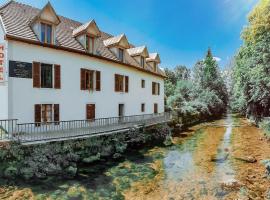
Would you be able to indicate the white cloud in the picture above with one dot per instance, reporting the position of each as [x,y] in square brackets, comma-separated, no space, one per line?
[217,59]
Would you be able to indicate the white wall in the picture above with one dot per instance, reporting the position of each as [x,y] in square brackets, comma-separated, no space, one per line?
[71,99]
[4,86]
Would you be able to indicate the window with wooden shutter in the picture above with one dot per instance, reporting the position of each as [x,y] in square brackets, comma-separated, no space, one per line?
[90,111]
[56,113]
[158,88]
[36,74]
[83,86]
[98,81]
[126,83]
[57,76]
[37,114]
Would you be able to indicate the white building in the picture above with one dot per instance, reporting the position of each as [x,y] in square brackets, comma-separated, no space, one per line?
[56,69]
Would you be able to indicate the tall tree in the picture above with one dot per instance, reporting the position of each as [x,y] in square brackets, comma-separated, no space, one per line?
[252,70]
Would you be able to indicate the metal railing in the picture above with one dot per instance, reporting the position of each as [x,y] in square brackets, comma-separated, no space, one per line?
[30,132]
[7,127]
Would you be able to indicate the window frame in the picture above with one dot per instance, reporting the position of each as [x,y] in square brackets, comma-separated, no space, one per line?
[88,40]
[142,61]
[43,81]
[44,113]
[46,25]
[121,55]
[143,83]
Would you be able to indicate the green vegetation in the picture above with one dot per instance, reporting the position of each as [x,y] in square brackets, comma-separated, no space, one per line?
[197,94]
[251,80]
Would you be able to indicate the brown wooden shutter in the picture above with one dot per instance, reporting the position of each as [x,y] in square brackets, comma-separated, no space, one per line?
[90,111]
[36,74]
[56,113]
[98,87]
[83,85]
[158,88]
[57,76]
[126,83]
[37,114]
[153,88]
[116,83]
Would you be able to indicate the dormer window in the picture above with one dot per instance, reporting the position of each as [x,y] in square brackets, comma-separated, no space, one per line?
[46,33]
[90,42]
[142,61]
[121,55]
[155,66]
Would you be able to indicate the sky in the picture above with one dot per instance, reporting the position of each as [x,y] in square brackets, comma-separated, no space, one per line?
[179,30]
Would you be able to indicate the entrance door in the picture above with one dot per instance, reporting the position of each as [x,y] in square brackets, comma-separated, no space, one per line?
[121,110]
[90,112]
[155,108]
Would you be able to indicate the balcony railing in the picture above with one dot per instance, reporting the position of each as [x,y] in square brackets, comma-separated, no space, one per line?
[64,130]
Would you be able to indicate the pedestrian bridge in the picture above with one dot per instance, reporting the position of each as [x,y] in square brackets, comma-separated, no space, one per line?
[35,133]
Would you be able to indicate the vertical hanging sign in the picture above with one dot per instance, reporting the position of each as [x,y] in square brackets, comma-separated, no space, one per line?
[2,62]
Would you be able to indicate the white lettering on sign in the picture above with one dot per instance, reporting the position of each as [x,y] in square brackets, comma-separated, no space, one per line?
[2,61]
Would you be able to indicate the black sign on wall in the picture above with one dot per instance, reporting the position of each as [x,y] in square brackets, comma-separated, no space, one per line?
[20,69]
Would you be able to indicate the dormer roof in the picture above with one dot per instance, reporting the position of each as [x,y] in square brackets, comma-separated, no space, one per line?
[47,14]
[138,51]
[153,57]
[120,40]
[89,28]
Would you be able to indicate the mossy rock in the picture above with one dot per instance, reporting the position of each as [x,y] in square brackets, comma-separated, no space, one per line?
[92,159]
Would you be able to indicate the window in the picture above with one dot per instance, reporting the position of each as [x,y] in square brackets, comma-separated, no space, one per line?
[155,88]
[90,44]
[46,33]
[142,107]
[142,61]
[90,80]
[46,76]
[155,66]
[121,55]
[121,83]
[143,83]
[46,113]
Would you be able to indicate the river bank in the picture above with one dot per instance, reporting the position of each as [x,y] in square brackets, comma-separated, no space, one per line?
[202,163]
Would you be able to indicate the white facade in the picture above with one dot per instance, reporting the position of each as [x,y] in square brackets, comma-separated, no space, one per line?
[25,44]
[72,100]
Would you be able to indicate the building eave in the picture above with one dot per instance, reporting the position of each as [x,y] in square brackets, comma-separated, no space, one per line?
[28,41]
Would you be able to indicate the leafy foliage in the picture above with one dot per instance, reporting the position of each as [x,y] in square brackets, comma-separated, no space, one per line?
[251,80]
[200,93]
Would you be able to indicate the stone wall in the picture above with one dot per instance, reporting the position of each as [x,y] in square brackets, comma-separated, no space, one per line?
[62,158]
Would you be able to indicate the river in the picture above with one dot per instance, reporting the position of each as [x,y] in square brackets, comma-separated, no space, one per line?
[204,162]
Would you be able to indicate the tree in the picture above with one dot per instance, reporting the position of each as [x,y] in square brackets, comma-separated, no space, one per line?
[251,73]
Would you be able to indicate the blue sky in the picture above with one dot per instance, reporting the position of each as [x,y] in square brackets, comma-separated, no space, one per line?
[179,30]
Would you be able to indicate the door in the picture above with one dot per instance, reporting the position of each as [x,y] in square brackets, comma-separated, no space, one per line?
[90,112]
[155,108]
[121,111]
